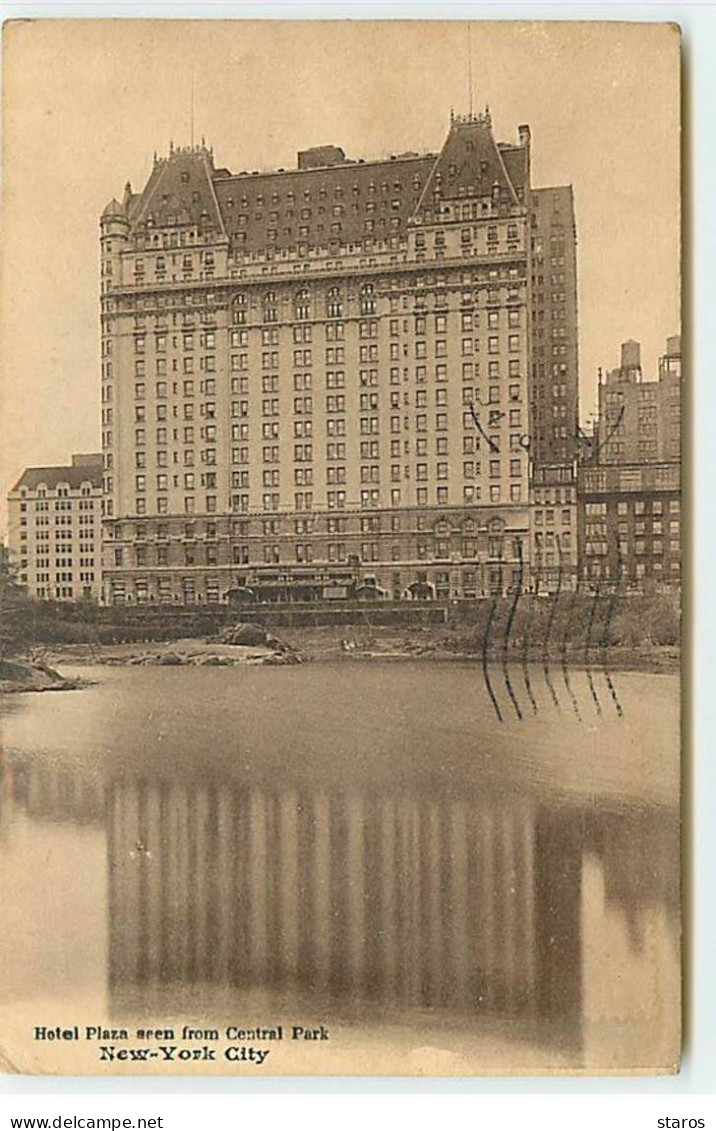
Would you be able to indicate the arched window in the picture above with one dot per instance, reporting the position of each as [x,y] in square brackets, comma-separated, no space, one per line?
[367,299]
[335,303]
[270,307]
[303,304]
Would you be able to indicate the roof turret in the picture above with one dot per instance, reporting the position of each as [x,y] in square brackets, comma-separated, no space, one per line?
[114,208]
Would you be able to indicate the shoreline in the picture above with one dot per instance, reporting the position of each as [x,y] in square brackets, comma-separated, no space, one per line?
[321,646]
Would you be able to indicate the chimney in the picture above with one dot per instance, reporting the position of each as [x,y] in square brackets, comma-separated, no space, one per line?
[87,459]
[321,157]
[524,134]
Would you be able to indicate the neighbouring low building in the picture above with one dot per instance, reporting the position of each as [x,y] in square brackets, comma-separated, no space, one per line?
[629,485]
[554,543]
[630,525]
[54,530]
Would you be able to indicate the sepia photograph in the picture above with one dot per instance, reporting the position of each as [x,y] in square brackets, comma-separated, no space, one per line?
[351,348]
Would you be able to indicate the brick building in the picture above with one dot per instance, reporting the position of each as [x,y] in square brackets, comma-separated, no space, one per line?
[630,485]
[554,398]
[669,433]
[630,525]
[553,548]
[326,373]
[640,420]
[54,531]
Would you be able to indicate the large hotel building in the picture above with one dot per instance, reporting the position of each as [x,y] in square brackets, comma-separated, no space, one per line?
[340,371]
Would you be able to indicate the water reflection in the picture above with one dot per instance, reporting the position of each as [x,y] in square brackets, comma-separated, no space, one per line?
[469,907]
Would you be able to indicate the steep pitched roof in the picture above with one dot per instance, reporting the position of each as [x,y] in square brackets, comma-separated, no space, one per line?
[469,164]
[515,161]
[329,197]
[180,190]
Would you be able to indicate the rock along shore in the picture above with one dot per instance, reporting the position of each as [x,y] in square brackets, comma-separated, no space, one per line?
[20,675]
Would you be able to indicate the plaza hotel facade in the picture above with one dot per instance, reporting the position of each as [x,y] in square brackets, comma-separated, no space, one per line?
[333,372]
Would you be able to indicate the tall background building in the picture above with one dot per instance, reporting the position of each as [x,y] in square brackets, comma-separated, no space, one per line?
[331,370]
[54,530]
[640,420]
[554,399]
[630,489]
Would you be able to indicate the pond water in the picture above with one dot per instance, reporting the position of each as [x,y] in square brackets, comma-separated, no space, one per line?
[446,886]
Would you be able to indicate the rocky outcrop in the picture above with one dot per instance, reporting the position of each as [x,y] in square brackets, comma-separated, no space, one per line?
[222,652]
[18,676]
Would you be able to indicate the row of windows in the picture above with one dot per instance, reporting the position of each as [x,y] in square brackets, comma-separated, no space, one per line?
[42,506]
[304,357]
[547,517]
[270,429]
[335,500]
[554,495]
[493,275]
[303,476]
[333,524]
[62,493]
[338,474]
[334,378]
[601,569]
[597,527]
[369,449]
[641,546]
[306,552]
[304,405]
[636,506]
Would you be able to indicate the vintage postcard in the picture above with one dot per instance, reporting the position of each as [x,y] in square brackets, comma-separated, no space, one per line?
[341,576]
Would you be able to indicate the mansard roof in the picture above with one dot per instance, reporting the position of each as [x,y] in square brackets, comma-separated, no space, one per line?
[329,197]
[471,164]
[179,191]
[73,475]
[348,194]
